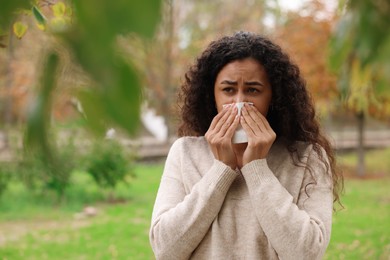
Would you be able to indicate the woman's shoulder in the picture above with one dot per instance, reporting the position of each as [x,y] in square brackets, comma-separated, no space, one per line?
[282,146]
[189,143]
[291,152]
[190,150]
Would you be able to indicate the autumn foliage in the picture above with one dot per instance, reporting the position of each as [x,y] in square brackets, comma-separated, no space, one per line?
[306,40]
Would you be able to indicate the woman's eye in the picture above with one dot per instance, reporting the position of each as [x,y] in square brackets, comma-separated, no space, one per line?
[253,90]
[228,90]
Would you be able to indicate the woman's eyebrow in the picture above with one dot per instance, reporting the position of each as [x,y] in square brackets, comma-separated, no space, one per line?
[228,82]
[248,83]
[254,83]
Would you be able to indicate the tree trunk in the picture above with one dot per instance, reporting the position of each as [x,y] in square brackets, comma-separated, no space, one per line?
[361,167]
[167,102]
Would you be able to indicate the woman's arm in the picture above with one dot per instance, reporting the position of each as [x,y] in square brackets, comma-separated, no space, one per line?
[180,220]
[296,231]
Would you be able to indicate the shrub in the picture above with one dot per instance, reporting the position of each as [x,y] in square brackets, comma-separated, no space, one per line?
[43,172]
[5,174]
[109,164]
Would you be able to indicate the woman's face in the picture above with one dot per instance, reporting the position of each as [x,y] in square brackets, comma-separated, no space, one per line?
[243,81]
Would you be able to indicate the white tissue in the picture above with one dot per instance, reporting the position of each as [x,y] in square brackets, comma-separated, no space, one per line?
[240,134]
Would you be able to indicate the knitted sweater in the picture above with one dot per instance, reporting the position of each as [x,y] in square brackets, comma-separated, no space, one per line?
[271,209]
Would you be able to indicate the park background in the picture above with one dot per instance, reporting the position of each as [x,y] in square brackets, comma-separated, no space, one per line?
[88,111]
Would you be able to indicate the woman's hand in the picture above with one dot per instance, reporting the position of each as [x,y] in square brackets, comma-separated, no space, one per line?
[219,136]
[260,134]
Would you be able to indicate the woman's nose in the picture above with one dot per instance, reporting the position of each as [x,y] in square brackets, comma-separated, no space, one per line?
[240,97]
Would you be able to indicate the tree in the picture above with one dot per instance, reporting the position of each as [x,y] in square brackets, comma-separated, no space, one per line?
[305,38]
[360,51]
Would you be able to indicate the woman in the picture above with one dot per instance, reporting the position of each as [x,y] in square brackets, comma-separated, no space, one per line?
[269,198]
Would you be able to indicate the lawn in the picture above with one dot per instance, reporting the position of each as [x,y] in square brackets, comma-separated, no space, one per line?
[362,229]
[32,227]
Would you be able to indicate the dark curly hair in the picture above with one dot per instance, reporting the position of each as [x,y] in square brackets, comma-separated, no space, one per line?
[292,116]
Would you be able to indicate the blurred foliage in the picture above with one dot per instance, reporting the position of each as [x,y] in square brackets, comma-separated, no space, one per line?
[38,118]
[115,95]
[90,31]
[8,9]
[360,53]
[305,38]
[364,29]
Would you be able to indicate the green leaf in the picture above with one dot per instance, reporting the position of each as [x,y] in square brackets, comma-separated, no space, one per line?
[340,44]
[19,29]
[39,17]
[94,112]
[109,18]
[123,98]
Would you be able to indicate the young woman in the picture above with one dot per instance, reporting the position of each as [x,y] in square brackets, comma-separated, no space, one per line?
[270,197]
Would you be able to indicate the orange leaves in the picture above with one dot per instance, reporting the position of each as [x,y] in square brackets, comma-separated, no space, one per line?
[306,38]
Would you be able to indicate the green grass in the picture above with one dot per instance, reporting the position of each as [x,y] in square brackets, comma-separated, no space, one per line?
[119,231]
[33,227]
[362,229]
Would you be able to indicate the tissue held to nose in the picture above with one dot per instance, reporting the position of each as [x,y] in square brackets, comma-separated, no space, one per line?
[240,135]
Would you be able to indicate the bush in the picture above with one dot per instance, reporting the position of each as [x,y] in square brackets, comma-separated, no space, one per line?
[109,164]
[5,174]
[43,172]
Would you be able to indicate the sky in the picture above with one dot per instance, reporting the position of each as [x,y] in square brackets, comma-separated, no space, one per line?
[294,5]
[291,4]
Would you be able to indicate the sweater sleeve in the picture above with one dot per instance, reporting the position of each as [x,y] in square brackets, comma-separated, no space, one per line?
[180,221]
[295,231]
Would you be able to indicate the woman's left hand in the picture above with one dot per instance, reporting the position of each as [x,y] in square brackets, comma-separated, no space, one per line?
[260,134]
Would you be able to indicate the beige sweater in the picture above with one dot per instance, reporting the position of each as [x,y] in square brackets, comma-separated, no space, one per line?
[206,210]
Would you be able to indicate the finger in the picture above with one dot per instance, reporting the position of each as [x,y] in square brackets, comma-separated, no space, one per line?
[218,117]
[227,124]
[259,119]
[264,121]
[223,120]
[215,123]
[251,120]
[262,117]
[248,129]
[230,131]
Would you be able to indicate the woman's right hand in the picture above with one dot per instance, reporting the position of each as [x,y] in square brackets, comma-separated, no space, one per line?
[220,134]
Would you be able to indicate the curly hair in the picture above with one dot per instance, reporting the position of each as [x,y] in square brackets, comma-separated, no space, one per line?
[292,115]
